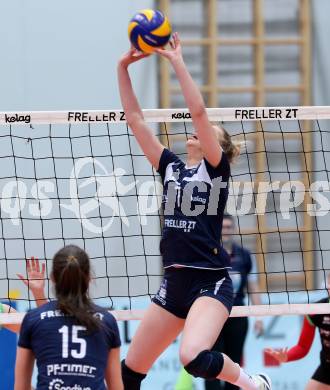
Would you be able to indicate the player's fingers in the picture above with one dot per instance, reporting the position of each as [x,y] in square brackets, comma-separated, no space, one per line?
[43,269]
[135,52]
[37,265]
[162,52]
[25,281]
[33,263]
[28,265]
[269,351]
[177,38]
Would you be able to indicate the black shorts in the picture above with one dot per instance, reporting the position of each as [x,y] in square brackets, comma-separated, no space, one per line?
[322,374]
[182,286]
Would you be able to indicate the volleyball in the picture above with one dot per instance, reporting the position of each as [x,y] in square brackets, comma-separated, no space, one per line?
[149,29]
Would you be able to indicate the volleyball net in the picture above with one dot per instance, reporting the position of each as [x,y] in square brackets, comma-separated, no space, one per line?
[79,177]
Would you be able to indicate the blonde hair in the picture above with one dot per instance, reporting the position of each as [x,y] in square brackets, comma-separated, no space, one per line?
[231,148]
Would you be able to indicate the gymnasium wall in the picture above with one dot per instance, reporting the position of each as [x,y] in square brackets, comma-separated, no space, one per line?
[63,54]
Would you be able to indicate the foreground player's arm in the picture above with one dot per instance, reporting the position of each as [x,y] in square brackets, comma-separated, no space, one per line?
[35,280]
[8,309]
[205,132]
[113,371]
[23,369]
[148,142]
[254,293]
[300,350]
[255,299]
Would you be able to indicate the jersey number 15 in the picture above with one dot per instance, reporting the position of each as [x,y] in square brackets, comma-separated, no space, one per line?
[80,351]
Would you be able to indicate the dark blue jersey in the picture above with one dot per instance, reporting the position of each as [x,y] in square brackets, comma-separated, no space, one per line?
[241,263]
[67,356]
[322,321]
[193,202]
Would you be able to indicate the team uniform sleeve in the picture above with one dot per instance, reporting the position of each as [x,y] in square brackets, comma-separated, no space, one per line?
[112,331]
[24,340]
[252,269]
[222,169]
[166,158]
[305,341]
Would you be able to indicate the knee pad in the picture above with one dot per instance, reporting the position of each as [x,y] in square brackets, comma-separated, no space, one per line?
[207,365]
[131,379]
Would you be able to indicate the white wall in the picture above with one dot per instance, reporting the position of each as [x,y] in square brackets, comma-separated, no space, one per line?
[321,54]
[62,54]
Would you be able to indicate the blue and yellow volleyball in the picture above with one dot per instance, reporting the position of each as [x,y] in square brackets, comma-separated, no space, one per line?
[149,29]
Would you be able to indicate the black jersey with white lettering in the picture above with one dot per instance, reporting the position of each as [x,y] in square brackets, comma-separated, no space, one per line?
[322,321]
[67,355]
[193,202]
[241,272]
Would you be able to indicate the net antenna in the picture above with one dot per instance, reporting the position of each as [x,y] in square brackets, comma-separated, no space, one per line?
[79,177]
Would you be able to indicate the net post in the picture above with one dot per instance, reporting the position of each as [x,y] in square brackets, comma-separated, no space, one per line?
[307,141]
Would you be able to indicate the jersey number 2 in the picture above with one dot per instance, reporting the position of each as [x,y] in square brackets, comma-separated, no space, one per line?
[75,339]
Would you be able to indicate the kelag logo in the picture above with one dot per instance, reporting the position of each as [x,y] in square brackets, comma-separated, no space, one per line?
[181,115]
[16,118]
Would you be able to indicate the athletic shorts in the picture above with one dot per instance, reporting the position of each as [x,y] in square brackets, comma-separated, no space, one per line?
[322,374]
[181,287]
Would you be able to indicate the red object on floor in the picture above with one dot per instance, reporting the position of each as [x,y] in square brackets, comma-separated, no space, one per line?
[269,361]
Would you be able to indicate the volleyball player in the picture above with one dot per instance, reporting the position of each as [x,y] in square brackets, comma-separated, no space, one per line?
[321,377]
[35,282]
[75,343]
[232,338]
[196,293]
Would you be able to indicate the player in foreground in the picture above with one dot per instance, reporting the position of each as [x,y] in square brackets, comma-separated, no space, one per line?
[232,338]
[35,282]
[74,342]
[321,377]
[196,294]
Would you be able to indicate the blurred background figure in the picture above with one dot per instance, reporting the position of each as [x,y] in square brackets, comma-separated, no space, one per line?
[232,338]
[321,377]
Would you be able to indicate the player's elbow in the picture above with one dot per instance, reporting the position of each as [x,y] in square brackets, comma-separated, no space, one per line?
[304,351]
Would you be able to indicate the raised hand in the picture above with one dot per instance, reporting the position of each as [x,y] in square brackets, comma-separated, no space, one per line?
[280,354]
[259,328]
[131,56]
[175,52]
[35,280]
